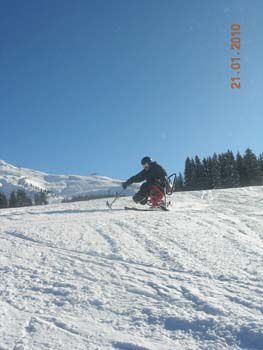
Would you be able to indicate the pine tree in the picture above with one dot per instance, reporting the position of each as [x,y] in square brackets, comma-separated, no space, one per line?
[235,178]
[260,166]
[201,174]
[22,199]
[3,201]
[252,171]
[216,175]
[260,161]
[43,198]
[180,182]
[40,198]
[241,169]
[208,166]
[37,199]
[230,174]
[13,200]
[194,175]
[222,163]
[175,183]
[188,174]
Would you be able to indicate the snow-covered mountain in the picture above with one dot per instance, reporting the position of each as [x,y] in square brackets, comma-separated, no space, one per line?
[80,276]
[61,186]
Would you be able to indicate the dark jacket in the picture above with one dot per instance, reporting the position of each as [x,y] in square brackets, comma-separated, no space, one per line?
[156,175]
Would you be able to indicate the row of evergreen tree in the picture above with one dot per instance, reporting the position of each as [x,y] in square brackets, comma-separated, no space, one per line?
[221,171]
[88,197]
[19,198]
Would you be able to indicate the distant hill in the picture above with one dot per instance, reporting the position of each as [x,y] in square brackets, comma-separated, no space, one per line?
[13,178]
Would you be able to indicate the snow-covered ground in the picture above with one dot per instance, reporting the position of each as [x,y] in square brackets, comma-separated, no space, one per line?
[79,276]
[13,178]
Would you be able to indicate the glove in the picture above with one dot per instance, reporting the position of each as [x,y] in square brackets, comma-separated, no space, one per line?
[124,185]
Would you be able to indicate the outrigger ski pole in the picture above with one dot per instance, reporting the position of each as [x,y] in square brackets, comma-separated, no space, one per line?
[117,196]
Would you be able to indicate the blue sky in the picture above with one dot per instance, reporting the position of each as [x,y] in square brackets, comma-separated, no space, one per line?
[93,86]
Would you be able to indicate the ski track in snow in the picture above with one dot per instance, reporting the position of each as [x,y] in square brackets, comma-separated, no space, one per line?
[79,276]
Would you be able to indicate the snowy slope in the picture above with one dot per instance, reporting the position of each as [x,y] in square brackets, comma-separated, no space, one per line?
[79,276]
[12,178]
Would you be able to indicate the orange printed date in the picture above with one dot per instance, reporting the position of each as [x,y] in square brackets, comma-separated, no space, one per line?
[235,59]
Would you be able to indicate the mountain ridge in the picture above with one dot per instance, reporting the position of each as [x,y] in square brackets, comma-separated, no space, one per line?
[59,186]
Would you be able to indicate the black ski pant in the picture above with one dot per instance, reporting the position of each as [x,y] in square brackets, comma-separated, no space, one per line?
[142,195]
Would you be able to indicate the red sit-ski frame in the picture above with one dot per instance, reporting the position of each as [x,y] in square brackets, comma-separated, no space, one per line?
[156,196]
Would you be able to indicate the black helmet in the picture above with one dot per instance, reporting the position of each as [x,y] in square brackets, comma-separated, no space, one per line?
[146,160]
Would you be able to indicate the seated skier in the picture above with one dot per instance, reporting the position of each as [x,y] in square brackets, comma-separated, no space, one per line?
[154,176]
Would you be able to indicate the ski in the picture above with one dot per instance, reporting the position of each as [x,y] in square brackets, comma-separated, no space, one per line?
[149,209]
[136,209]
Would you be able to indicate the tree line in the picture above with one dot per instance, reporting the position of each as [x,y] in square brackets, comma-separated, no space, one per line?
[88,197]
[19,198]
[224,170]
